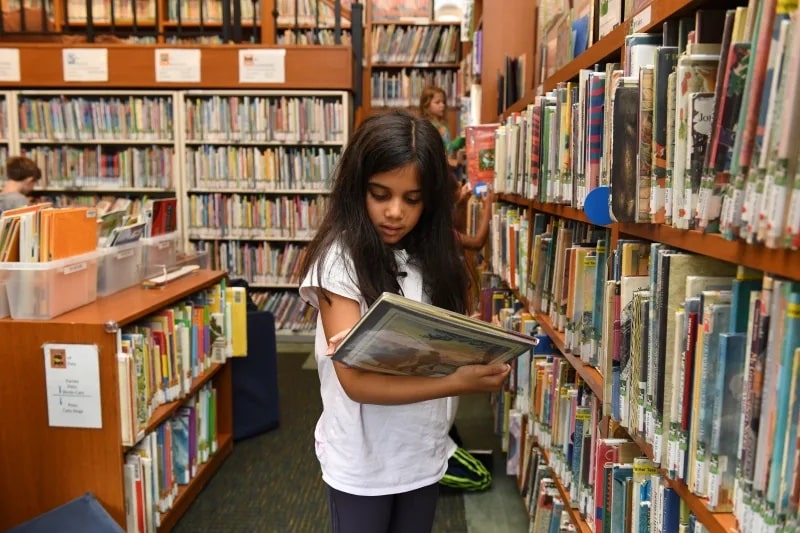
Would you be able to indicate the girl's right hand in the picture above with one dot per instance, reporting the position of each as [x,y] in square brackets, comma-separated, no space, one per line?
[480,378]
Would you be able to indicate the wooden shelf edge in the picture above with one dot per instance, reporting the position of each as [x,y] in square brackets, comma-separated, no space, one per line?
[561,210]
[714,522]
[781,262]
[131,304]
[133,66]
[590,375]
[164,411]
[574,515]
[188,493]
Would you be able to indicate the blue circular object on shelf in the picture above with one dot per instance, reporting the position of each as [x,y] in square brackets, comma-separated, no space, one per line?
[596,206]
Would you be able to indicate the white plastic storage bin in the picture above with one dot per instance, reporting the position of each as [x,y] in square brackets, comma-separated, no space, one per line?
[119,267]
[41,291]
[160,252]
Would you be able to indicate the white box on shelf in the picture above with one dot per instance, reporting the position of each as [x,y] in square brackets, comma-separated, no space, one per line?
[119,267]
[160,253]
[41,291]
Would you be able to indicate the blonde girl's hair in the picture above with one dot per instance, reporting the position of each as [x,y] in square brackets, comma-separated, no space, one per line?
[426,98]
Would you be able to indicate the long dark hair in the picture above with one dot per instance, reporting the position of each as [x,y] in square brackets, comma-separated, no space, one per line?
[382,143]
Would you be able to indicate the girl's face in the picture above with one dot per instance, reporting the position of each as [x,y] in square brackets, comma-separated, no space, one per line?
[437,106]
[394,202]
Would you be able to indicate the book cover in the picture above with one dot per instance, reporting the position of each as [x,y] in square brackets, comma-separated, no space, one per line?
[403,337]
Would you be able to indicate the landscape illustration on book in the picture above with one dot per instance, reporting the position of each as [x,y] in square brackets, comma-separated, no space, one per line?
[400,336]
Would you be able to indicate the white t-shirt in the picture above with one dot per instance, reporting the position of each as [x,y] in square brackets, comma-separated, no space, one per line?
[367,449]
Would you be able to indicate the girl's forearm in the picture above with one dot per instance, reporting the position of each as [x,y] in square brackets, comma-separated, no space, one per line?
[384,389]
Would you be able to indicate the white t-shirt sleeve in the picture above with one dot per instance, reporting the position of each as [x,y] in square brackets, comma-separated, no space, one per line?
[337,276]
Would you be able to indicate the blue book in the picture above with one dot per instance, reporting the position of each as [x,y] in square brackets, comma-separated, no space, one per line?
[81,515]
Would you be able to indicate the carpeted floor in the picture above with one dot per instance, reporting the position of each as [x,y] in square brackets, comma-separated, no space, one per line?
[272,483]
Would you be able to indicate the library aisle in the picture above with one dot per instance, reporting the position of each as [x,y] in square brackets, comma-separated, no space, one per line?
[271,482]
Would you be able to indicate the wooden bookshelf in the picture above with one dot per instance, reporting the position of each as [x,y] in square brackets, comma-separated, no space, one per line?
[132,66]
[780,262]
[714,522]
[574,515]
[43,466]
[590,375]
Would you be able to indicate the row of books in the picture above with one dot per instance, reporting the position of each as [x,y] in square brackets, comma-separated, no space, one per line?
[168,458]
[211,167]
[682,343]
[189,11]
[288,119]
[715,151]
[84,118]
[208,118]
[289,310]
[403,88]
[160,356]
[306,12]
[195,11]
[414,44]
[607,480]
[312,36]
[566,459]
[254,217]
[104,166]
[261,264]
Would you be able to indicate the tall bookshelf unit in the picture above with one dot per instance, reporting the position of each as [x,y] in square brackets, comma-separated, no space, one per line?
[255,197]
[783,263]
[92,143]
[44,467]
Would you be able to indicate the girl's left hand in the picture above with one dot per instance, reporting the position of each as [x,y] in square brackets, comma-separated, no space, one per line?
[334,341]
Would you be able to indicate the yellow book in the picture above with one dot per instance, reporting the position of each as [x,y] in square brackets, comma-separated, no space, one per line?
[236,298]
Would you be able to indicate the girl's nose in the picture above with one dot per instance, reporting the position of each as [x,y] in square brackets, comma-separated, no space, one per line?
[394,209]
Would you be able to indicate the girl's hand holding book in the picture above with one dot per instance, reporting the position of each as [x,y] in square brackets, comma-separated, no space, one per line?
[334,341]
[480,378]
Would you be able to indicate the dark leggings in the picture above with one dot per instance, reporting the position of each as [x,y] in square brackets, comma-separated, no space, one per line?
[408,512]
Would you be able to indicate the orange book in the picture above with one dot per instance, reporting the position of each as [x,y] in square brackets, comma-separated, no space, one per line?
[72,231]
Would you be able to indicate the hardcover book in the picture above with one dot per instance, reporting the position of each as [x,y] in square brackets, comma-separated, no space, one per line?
[404,337]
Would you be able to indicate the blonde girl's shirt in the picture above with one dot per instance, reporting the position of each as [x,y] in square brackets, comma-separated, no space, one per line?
[366,449]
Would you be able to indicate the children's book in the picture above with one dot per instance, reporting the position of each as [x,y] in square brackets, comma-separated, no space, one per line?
[404,337]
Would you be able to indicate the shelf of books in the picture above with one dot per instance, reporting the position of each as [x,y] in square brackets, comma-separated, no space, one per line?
[675,322]
[258,166]
[139,419]
[307,22]
[6,130]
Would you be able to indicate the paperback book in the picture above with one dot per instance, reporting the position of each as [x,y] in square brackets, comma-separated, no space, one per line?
[404,337]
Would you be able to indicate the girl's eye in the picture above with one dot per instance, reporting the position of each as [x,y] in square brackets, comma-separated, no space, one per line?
[380,197]
[413,200]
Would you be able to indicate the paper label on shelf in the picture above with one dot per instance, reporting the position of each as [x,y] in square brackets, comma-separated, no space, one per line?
[72,377]
[262,65]
[641,19]
[177,65]
[85,64]
[9,64]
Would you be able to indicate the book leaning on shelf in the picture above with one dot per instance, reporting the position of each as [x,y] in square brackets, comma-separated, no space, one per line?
[404,337]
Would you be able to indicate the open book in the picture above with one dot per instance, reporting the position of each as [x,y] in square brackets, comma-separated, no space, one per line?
[404,337]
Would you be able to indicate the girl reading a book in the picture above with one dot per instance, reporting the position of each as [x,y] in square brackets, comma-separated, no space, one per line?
[382,439]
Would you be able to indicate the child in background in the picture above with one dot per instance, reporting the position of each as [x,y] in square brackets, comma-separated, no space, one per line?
[433,106]
[22,174]
[382,439]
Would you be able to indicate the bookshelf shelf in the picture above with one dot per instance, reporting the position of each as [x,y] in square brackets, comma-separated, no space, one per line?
[416,65]
[188,493]
[780,262]
[133,66]
[164,411]
[714,522]
[588,374]
[91,459]
[577,520]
